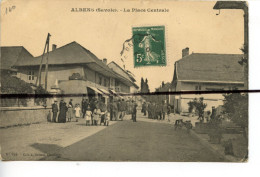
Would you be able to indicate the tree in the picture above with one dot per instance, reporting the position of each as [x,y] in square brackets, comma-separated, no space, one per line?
[142,84]
[163,84]
[236,108]
[199,105]
[236,104]
[147,90]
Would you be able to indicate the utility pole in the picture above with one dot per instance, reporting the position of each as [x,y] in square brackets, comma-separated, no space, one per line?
[243,6]
[40,69]
[46,66]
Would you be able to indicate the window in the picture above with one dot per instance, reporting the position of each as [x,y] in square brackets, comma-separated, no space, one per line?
[100,80]
[31,75]
[232,88]
[197,87]
[105,82]
[214,89]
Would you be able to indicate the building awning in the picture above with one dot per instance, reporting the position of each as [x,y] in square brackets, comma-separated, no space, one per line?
[95,89]
[124,94]
[105,92]
[112,92]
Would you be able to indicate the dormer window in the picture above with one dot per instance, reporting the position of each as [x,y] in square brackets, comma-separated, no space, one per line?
[30,75]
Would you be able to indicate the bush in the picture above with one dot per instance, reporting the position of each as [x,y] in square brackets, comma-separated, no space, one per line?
[236,108]
[191,106]
[41,96]
[14,86]
[199,105]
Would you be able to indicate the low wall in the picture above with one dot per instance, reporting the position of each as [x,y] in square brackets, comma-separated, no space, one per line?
[12,116]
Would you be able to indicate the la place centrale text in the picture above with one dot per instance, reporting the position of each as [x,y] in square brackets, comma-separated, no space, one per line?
[135,10]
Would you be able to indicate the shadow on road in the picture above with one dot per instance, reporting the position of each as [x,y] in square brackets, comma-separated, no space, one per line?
[48,149]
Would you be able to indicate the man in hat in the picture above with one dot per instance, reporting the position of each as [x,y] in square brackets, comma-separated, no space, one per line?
[134,110]
[55,111]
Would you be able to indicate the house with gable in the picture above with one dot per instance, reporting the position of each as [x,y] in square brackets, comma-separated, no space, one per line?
[72,70]
[205,72]
[10,55]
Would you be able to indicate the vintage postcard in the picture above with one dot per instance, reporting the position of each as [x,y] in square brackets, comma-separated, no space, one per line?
[131,80]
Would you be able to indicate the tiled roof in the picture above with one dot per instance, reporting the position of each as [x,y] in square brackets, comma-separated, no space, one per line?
[210,67]
[10,55]
[72,53]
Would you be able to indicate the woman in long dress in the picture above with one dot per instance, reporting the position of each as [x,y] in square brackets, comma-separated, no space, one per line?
[62,114]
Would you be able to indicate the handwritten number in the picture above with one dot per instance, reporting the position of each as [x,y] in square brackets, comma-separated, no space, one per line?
[9,9]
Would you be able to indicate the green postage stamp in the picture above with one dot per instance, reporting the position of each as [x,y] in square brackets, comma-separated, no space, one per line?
[149,46]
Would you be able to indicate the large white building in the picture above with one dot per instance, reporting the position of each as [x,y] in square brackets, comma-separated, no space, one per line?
[205,72]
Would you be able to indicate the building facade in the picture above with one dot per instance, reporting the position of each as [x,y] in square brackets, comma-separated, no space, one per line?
[205,72]
[72,70]
[124,87]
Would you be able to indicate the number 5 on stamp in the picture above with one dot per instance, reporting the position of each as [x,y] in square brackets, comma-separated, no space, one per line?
[149,46]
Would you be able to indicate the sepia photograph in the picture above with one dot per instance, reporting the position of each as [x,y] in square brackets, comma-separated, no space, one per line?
[124,81]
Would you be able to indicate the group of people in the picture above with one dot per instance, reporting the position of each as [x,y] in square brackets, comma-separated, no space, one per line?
[156,110]
[120,107]
[95,111]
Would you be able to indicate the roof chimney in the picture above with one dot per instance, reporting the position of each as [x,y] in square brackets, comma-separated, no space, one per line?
[54,46]
[185,52]
[105,61]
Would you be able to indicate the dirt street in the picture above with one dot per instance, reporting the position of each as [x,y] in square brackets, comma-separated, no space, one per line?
[144,140]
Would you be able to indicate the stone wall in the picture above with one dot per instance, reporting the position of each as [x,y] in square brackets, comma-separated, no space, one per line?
[14,116]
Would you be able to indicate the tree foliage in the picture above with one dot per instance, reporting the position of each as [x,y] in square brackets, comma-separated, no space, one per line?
[199,105]
[41,95]
[15,86]
[236,108]
[144,86]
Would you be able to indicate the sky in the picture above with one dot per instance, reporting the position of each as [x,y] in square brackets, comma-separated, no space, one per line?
[190,24]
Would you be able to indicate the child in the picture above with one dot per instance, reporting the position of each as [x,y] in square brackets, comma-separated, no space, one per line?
[88,116]
[96,116]
[77,112]
[70,112]
[107,117]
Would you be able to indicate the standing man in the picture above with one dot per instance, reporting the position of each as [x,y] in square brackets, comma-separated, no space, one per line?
[119,106]
[83,107]
[149,109]
[55,111]
[110,108]
[144,108]
[124,107]
[131,106]
[70,111]
[115,110]
[127,107]
[164,110]
[158,109]
[134,110]
[103,107]
[168,112]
